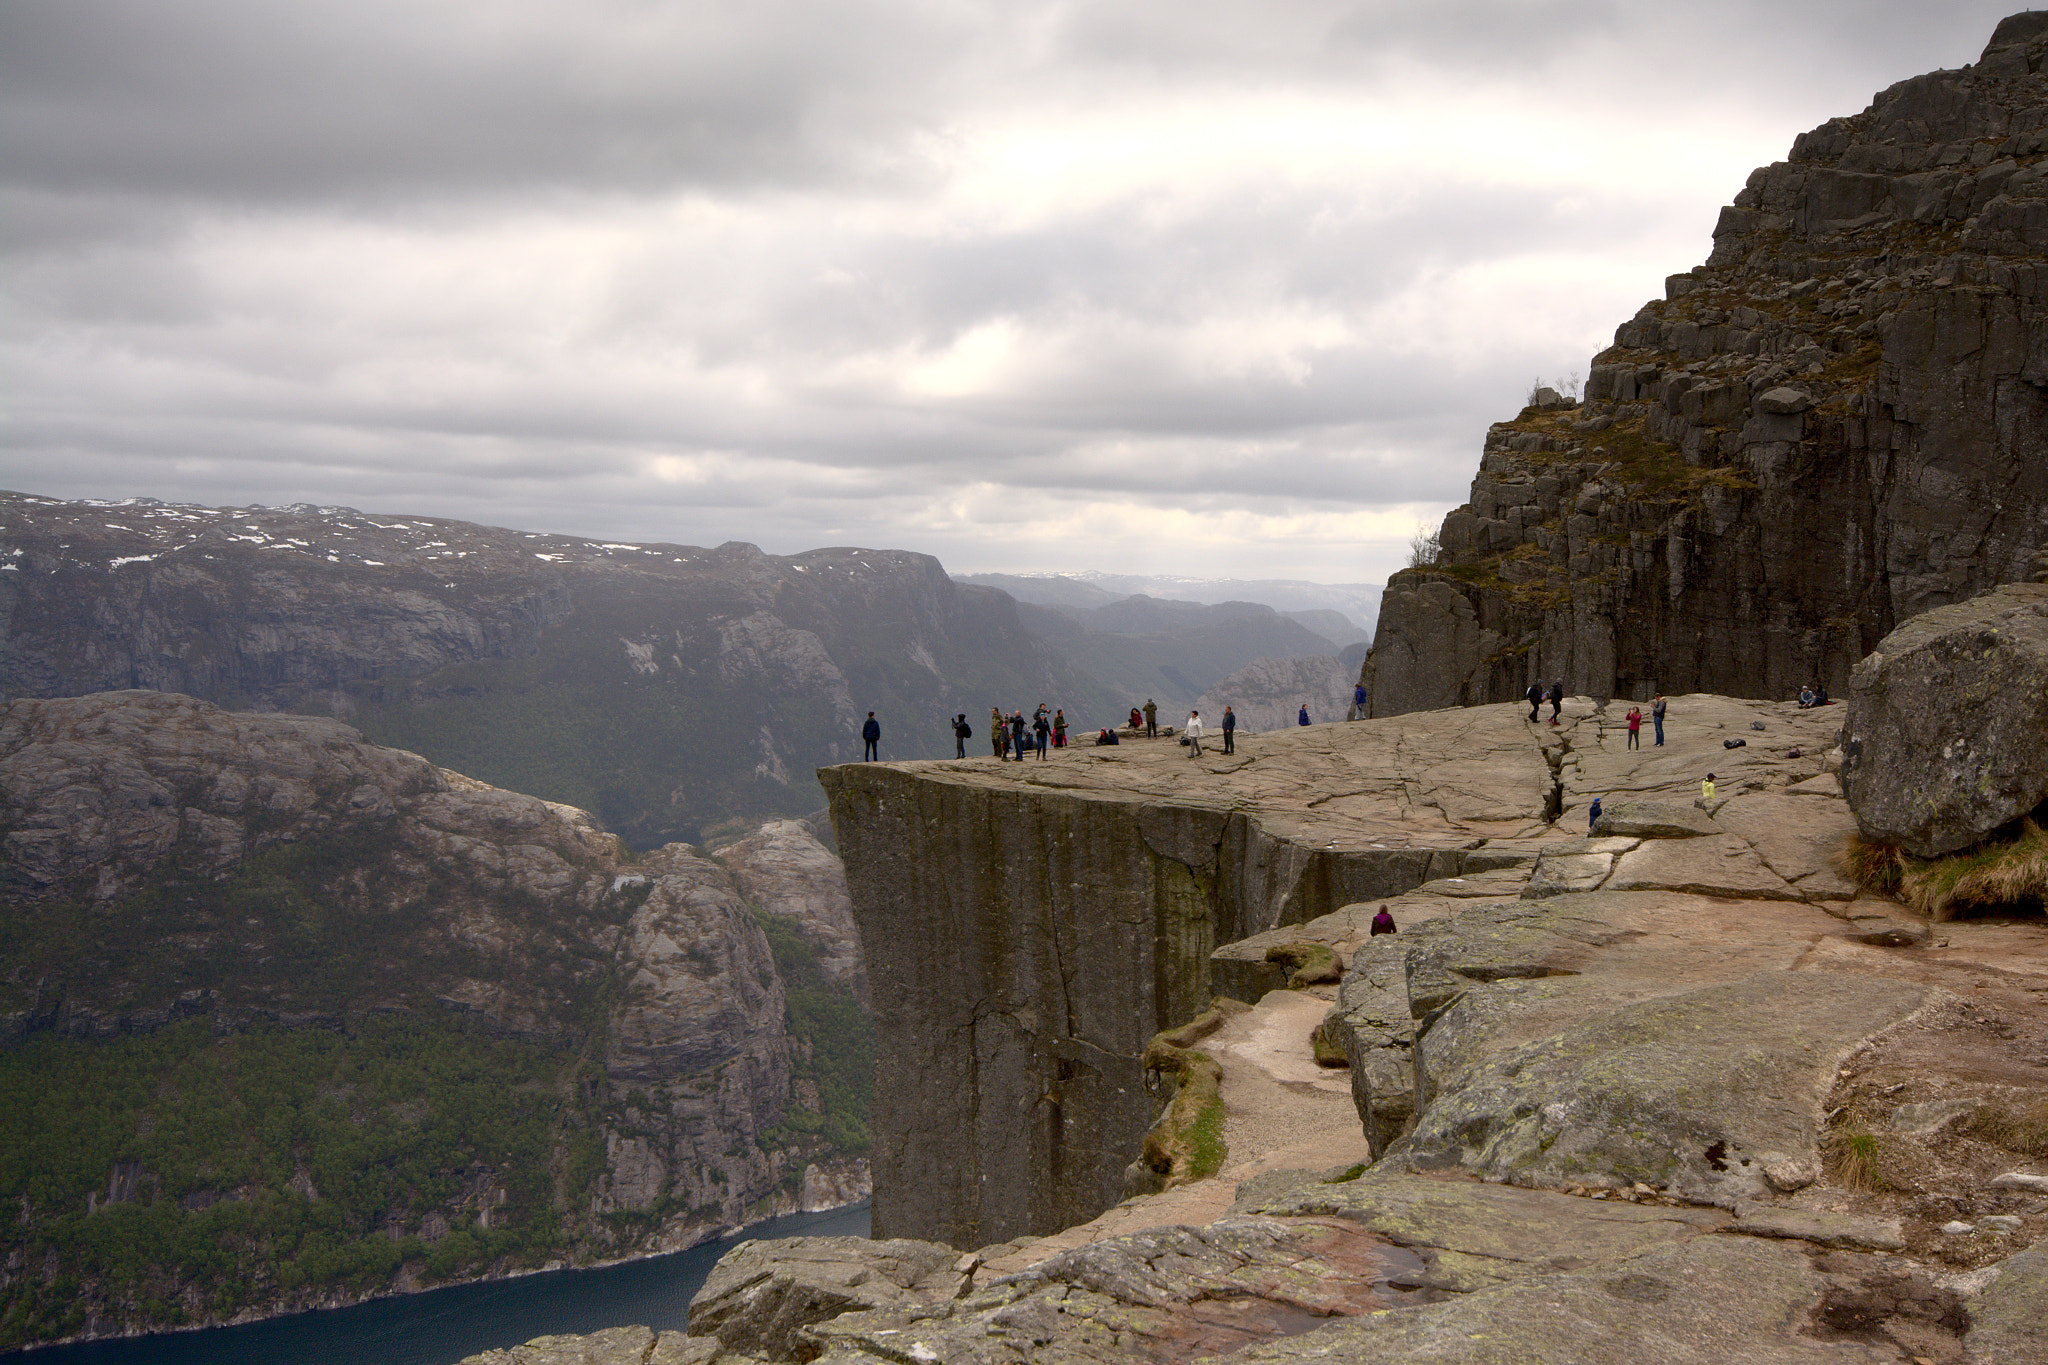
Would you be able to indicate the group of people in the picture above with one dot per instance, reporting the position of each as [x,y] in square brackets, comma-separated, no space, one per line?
[1554,694]
[1813,694]
[1013,736]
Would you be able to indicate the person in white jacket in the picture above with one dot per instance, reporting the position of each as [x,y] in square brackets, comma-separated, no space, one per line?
[1194,733]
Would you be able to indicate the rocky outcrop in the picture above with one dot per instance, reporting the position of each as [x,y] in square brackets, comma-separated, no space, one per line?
[1836,423]
[783,865]
[680,693]
[1947,733]
[1267,694]
[1031,926]
[176,874]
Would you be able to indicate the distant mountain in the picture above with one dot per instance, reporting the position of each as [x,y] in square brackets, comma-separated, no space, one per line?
[1168,651]
[287,1019]
[1357,603]
[1333,626]
[679,693]
[1268,694]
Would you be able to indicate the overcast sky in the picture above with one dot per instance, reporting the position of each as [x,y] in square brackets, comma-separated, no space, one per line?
[1168,286]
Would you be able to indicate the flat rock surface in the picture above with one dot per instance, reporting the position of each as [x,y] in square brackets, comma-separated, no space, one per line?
[1650,1307]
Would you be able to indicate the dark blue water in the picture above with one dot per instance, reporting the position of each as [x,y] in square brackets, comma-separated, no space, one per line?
[442,1326]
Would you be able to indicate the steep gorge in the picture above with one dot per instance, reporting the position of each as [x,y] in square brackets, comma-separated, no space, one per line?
[287,1019]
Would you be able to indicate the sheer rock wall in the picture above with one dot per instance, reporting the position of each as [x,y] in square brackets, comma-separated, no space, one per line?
[1840,420]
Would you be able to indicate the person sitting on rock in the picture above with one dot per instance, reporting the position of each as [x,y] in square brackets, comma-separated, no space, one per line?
[1302,719]
[1707,788]
[1383,923]
[1806,697]
[1106,736]
[1593,815]
[1137,721]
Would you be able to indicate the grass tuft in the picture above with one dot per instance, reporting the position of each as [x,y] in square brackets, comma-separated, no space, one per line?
[1857,1160]
[2018,1125]
[1999,874]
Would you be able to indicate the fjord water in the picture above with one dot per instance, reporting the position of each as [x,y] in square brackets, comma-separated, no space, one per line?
[442,1326]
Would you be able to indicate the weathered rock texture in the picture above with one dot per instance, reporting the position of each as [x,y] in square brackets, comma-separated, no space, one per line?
[1607,1124]
[1839,421]
[1029,927]
[679,693]
[1947,735]
[165,860]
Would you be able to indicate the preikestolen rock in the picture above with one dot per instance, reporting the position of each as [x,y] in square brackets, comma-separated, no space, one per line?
[1654,820]
[1723,866]
[761,1295]
[614,1346]
[1713,1095]
[1161,1296]
[1820,1228]
[1654,1307]
[1473,1236]
[1944,738]
[2006,1320]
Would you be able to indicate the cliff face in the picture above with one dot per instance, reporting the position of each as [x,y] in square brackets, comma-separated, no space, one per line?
[1839,421]
[366,1022]
[677,692]
[1029,926]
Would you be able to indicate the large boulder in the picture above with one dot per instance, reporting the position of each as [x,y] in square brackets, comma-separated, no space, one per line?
[1947,733]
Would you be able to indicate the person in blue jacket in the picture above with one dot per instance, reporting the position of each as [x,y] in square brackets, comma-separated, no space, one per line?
[1302,719]
[1229,731]
[870,739]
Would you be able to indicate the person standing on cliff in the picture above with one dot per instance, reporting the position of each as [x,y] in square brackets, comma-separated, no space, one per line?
[871,739]
[1358,702]
[1151,719]
[1657,717]
[998,734]
[1229,731]
[1059,728]
[1535,697]
[1194,733]
[1041,730]
[960,734]
[1556,699]
[1018,729]
[1635,727]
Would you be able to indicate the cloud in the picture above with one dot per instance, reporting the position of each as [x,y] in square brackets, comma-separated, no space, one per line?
[1126,285]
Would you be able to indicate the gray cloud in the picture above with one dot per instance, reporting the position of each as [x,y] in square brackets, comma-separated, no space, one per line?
[1027,285]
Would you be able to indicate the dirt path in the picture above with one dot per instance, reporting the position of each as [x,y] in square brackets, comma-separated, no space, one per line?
[1281,1111]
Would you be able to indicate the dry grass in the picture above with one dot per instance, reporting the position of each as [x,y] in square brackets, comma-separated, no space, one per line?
[2018,1124]
[1857,1157]
[2003,874]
